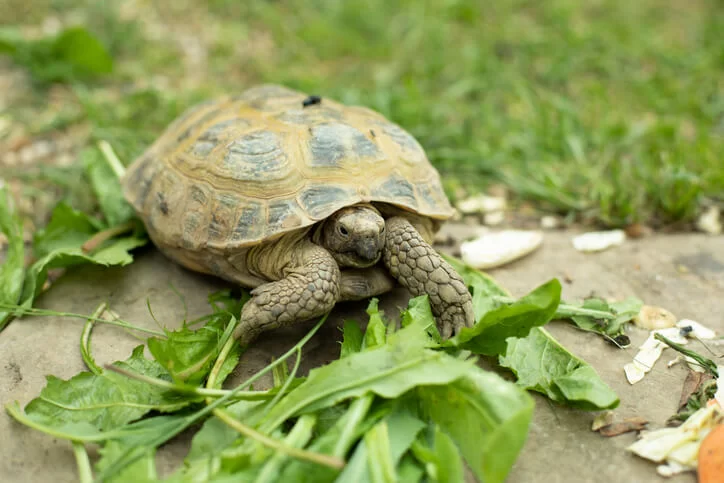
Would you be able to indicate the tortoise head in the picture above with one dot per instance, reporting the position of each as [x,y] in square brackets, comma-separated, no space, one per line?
[354,236]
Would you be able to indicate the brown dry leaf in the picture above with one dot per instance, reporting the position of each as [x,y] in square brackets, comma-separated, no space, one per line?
[625,426]
[692,383]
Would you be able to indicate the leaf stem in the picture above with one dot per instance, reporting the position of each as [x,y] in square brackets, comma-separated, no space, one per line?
[319,458]
[110,156]
[565,311]
[20,310]
[85,337]
[199,391]
[96,240]
[289,380]
[357,412]
[85,475]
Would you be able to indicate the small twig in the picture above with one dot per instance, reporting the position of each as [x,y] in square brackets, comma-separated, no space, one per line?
[322,459]
[96,240]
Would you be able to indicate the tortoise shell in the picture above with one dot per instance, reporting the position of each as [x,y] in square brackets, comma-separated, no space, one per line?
[241,170]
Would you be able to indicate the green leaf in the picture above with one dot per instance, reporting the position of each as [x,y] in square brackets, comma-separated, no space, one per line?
[336,441]
[543,365]
[188,355]
[107,188]
[486,416]
[298,437]
[388,371]
[105,402]
[12,269]
[141,471]
[352,341]
[68,229]
[80,49]
[489,335]
[380,466]
[621,312]
[449,465]
[376,333]
[484,288]
[117,252]
[419,313]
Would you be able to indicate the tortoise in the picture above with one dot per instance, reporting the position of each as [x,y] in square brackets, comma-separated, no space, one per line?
[307,203]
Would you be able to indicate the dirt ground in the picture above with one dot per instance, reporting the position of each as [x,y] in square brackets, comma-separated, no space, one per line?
[683,273]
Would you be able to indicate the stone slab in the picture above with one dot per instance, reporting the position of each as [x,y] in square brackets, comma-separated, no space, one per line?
[683,273]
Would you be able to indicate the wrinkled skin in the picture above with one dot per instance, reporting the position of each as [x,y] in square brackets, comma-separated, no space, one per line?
[355,254]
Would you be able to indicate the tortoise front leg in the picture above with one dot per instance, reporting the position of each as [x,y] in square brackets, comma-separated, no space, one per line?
[417,266]
[310,289]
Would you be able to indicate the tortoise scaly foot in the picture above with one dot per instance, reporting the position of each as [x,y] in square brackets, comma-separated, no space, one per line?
[418,267]
[309,290]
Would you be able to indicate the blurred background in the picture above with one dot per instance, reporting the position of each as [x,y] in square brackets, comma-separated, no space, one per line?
[607,113]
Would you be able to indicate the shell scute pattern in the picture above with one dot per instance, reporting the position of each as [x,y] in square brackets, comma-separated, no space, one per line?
[333,143]
[250,225]
[251,167]
[216,134]
[257,156]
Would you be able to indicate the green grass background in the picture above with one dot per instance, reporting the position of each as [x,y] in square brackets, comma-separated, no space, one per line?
[609,110]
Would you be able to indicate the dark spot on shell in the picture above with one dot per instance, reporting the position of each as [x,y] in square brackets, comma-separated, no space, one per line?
[162,205]
[311,101]
[320,200]
[334,142]
[372,133]
[257,156]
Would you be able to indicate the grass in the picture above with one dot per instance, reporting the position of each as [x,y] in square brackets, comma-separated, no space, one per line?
[609,110]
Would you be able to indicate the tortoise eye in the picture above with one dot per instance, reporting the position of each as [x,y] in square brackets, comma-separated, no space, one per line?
[343,231]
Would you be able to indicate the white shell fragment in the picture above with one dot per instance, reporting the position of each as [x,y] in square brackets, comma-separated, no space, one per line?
[481,204]
[653,318]
[550,222]
[709,221]
[650,351]
[697,330]
[597,241]
[494,218]
[498,248]
[678,448]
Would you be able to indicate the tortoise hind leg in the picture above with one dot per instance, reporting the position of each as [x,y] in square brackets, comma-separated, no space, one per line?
[310,289]
[417,266]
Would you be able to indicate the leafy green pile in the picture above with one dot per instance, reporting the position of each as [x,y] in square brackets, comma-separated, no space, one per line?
[397,404]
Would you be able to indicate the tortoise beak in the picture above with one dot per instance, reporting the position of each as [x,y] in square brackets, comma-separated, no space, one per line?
[368,250]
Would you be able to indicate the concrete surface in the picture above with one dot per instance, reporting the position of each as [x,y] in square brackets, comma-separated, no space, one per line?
[683,273]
